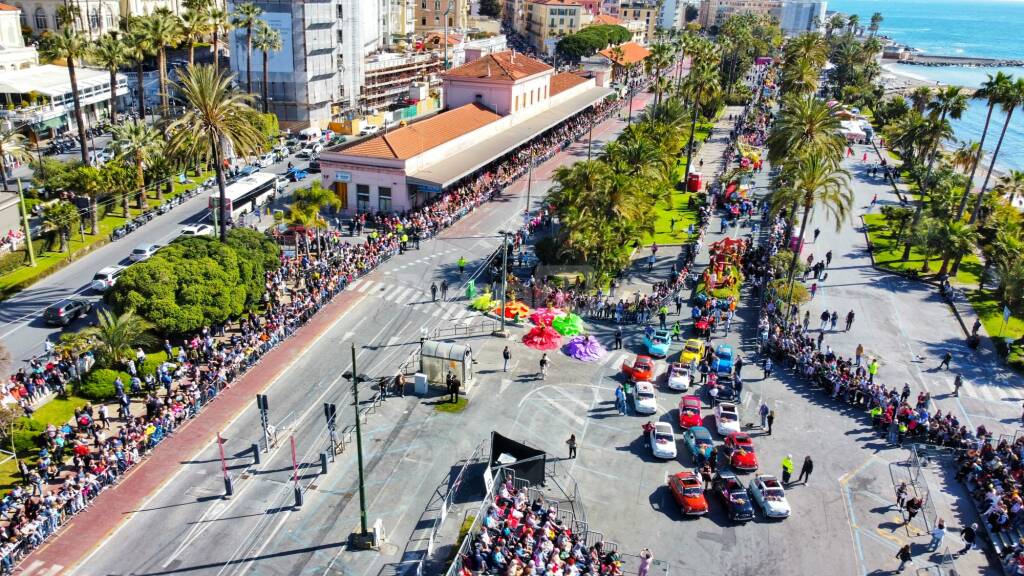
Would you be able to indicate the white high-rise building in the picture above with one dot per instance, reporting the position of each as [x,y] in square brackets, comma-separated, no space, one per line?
[672,15]
[797,16]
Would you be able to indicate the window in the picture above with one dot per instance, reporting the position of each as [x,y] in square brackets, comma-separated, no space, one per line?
[570,22]
[423,21]
[341,36]
[384,199]
[362,198]
[341,13]
[561,21]
[94,19]
[40,19]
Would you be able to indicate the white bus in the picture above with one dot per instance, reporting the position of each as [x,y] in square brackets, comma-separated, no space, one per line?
[245,195]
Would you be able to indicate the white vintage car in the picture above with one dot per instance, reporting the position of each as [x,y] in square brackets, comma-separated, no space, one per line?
[663,441]
[770,496]
[727,419]
[644,400]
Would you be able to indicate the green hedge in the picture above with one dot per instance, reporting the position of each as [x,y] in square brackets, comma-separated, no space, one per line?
[27,435]
[98,385]
[153,361]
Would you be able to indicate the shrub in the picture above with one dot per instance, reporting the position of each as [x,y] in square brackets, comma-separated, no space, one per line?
[781,261]
[153,361]
[27,436]
[98,385]
[800,294]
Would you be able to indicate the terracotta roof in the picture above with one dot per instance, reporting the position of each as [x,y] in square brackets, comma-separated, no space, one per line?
[607,19]
[631,53]
[507,65]
[8,7]
[563,81]
[417,138]
[556,2]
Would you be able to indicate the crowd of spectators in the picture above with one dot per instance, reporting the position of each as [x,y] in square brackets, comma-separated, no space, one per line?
[11,241]
[993,475]
[523,538]
[83,457]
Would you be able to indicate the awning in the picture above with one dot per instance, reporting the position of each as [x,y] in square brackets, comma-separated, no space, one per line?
[448,172]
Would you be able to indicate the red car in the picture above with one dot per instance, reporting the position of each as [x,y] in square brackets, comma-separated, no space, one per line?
[689,412]
[688,493]
[642,369]
[739,448]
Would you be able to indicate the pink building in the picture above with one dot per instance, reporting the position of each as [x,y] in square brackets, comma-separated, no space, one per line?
[494,105]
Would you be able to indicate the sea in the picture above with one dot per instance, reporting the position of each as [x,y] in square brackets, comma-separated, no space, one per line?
[980,28]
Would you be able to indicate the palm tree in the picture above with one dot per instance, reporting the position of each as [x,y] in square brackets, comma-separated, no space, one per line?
[817,181]
[632,153]
[137,144]
[876,20]
[11,144]
[702,87]
[1011,283]
[308,205]
[836,22]
[809,46]
[659,59]
[137,48]
[218,120]
[958,240]
[163,29]
[220,24]
[195,26]
[965,156]
[927,236]
[92,182]
[109,53]
[267,40]
[61,218]
[935,131]
[991,90]
[852,22]
[806,126]
[1012,97]
[800,77]
[1010,185]
[920,97]
[115,337]
[69,45]
[247,15]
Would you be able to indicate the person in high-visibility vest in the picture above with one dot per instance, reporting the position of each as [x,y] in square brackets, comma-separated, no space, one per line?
[872,370]
[462,265]
[787,468]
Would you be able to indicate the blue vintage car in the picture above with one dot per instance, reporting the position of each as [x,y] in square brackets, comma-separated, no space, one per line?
[723,360]
[698,441]
[733,494]
[295,174]
[657,341]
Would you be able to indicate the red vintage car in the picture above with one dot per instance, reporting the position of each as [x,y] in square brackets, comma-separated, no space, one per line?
[642,369]
[689,412]
[688,493]
[739,449]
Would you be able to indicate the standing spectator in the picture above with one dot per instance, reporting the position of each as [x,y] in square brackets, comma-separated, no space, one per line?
[572,445]
[455,389]
[787,469]
[618,337]
[913,507]
[645,562]
[905,556]
[937,534]
[506,356]
[805,470]
[849,320]
[771,421]
[767,367]
[946,359]
[901,494]
[620,400]
[968,535]
[763,411]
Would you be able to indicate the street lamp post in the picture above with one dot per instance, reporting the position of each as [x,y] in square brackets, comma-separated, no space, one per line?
[359,447]
[28,228]
[529,182]
[447,10]
[504,275]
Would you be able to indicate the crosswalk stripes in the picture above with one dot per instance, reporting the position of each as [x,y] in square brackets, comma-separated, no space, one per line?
[38,568]
[401,296]
[365,286]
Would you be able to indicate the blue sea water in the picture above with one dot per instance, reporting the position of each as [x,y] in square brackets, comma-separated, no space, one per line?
[982,28]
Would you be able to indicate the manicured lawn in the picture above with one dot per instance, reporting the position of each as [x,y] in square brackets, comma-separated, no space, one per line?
[59,410]
[16,280]
[664,232]
[9,475]
[990,310]
[452,408]
[888,256]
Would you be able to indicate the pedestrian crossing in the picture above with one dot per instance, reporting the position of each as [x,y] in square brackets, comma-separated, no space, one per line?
[40,568]
[420,261]
[403,295]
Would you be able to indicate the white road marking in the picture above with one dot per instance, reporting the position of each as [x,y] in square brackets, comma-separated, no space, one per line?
[569,413]
[398,296]
[365,286]
[35,565]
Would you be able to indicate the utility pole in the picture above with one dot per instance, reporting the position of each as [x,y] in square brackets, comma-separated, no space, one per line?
[330,413]
[359,445]
[228,489]
[529,182]
[504,275]
[264,408]
[590,138]
[447,10]
[28,228]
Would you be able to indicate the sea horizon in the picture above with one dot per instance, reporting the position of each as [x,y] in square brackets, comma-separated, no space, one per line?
[942,27]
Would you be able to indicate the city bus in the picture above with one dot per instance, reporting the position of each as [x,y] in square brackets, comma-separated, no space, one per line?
[245,195]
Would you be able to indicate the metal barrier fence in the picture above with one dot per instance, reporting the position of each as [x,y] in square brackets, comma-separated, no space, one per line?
[485,326]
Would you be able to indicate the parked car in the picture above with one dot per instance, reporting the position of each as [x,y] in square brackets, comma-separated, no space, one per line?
[698,440]
[657,341]
[770,496]
[662,440]
[143,252]
[689,412]
[644,400]
[265,160]
[679,377]
[369,130]
[295,174]
[66,311]
[692,351]
[727,419]
[734,495]
[106,278]
[739,449]
[688,493]
[314,167]
[196,230]
[642,369]
[723,359]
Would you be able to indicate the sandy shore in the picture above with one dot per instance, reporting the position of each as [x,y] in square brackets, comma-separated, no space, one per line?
[899,81]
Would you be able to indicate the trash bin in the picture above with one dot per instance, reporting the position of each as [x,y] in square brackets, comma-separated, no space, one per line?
[693,182]
[470,290]
[420,384]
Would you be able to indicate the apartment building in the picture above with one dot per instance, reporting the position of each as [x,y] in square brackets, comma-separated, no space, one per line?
[672,15]
[431,14]
[548,20]
[644,12]
[796,17]
[714,12]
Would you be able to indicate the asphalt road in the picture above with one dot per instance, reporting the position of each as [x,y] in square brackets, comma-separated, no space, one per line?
[187,528]
[22,328]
